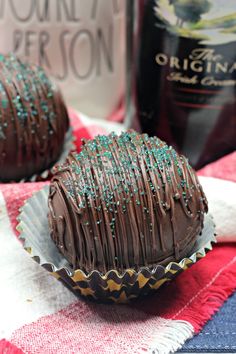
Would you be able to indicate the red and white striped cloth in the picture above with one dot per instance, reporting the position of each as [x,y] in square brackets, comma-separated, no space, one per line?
[39,315]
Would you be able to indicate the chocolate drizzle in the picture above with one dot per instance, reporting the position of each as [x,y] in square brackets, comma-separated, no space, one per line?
[124,202]
[33,120]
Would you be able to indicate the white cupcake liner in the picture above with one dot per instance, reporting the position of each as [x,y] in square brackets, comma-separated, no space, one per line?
[112,286]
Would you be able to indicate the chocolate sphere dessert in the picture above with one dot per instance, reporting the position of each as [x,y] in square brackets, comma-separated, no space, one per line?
[33,120]
[124,202]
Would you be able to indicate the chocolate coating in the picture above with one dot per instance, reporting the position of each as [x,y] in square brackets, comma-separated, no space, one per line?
[33,120]
[124,202]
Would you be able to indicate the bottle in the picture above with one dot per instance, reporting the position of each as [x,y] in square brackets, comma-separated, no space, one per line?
[186,76]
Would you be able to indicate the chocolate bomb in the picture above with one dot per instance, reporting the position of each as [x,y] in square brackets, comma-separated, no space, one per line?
[33,120]
[123,202]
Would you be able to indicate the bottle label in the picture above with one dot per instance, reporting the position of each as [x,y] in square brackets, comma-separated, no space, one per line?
[187,76]
[199,60]
[209,21]
[199,20]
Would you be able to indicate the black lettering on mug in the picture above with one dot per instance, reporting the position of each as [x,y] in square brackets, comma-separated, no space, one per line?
[44,39]
[94,9]
[64,72]
[19,17]
[73,11]
[42,10]
[86,36]
[29,41]
[105,49]
[66,9]
[17,40]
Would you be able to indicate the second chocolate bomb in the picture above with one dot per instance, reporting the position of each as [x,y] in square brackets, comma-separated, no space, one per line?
[33,120]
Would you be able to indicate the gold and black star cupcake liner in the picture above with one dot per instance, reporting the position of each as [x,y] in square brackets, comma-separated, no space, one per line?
[112,287]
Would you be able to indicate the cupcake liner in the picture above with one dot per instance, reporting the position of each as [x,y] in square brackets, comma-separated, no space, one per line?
[112,286]
[68,146]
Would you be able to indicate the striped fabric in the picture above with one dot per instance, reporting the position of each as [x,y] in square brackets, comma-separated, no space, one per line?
[39,315]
